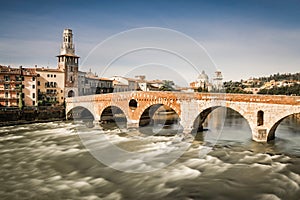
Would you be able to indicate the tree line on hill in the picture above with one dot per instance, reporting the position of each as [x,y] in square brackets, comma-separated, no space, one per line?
[238,87]
[286,90]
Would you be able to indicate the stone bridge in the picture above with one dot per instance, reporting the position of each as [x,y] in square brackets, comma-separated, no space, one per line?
[262,112]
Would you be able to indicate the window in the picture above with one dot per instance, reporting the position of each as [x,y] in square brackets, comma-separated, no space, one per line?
[71,69]
[51,75]
[23,86]
[17,95]
[6,78]
[38,83]
[6,86]
[33,95]
[61,91]
[33,78]
[33,86]
[39,91]
[6,94]
[6,103]
[260,118]
[18,78]
[33,103]
[48,75]
[54,75]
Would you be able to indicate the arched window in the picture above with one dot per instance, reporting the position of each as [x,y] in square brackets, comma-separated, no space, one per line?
[133,104]
[71,93]
[260,118]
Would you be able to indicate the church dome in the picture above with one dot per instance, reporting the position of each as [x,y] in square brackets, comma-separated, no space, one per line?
[203,77]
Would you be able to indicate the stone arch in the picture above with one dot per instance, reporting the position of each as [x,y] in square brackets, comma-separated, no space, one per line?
[79,113]
[271,133]
[201,117]
[162,113]
[114,114]
[142,108]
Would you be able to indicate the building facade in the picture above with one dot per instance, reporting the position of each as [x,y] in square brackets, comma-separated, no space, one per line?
[50,86]
[17,84]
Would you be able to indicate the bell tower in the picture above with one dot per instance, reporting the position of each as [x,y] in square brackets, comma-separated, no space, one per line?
[68,63]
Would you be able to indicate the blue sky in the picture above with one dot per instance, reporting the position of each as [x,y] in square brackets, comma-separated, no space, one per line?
[244,38]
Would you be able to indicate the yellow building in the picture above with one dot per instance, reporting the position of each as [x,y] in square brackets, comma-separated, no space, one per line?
[29,87]
[50,86]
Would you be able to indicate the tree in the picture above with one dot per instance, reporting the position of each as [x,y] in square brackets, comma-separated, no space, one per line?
[167,86]
[21,106]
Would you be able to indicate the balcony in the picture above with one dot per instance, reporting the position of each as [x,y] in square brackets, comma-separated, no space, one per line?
[9,98]
[10,89]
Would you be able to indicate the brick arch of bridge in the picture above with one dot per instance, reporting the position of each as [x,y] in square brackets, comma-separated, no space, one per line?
[275,119]
[121,106]
[71,109]
[143,105]
[205,108]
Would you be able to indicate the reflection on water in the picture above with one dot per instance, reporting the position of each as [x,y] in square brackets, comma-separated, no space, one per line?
[48,161]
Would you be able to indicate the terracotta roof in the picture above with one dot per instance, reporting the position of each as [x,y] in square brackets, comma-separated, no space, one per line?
[29,72]
[46,69]
[9,70]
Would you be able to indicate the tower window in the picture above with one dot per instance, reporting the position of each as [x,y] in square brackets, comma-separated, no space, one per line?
[33,86]
[33,95]
[48,75]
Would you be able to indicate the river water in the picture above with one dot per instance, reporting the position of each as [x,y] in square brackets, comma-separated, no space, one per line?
[49,161]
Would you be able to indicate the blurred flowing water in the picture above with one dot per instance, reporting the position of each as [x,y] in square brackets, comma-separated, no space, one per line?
[48,161]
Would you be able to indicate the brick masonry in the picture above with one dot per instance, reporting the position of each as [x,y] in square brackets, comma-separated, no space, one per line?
[189,105]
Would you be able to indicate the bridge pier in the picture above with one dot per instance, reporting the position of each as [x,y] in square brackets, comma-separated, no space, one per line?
[132,124]
[260,134]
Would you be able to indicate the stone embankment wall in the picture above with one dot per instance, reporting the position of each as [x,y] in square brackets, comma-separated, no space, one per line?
[16,116]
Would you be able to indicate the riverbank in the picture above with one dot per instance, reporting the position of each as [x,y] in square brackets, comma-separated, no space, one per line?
[9,117]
